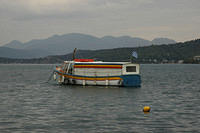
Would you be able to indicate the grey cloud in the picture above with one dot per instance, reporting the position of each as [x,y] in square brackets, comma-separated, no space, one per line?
[142,18]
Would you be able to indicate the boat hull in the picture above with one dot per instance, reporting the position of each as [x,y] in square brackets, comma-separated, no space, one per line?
[121,80]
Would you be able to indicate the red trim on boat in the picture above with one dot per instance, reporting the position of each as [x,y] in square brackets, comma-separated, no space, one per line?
[83,60]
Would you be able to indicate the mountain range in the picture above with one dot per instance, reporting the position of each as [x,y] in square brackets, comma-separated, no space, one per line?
[63,44]
[187,52]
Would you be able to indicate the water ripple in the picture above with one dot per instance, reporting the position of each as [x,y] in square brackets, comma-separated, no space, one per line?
[28,104]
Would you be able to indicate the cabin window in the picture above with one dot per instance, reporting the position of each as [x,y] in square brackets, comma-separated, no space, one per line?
[131,69]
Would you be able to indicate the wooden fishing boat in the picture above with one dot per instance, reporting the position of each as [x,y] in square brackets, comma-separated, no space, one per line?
[90,72]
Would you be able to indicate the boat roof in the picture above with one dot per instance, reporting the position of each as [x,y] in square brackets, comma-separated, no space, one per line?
[100,62]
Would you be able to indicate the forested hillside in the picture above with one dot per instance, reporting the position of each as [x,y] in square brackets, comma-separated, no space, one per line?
[173,53]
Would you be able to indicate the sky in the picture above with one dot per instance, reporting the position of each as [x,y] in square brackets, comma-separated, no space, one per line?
[25,20]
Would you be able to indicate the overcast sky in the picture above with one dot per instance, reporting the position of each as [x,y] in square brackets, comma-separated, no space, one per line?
[24,20]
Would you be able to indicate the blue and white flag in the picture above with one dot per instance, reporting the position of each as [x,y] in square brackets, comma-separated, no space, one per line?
[134,54]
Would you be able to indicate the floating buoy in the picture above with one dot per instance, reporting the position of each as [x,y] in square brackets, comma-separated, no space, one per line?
[146,109]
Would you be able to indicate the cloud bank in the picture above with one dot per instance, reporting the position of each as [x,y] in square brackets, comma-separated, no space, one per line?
[28,19]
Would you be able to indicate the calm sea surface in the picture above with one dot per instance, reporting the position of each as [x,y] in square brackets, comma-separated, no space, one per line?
[29,104]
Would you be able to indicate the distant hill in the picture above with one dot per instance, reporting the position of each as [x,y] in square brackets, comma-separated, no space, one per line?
[22,53]
[63,44]
[172,53]
[15,45]
[159,41]
[148,54]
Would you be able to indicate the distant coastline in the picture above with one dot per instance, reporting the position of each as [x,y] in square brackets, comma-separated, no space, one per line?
[187,53]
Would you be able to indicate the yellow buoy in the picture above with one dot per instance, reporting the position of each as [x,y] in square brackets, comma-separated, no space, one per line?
[146,109]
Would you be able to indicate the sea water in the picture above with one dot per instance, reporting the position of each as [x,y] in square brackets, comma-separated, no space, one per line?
[28,103]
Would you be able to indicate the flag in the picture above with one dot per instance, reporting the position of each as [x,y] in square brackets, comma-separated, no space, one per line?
[134,54]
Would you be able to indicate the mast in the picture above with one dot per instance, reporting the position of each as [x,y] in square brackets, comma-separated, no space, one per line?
[74,54]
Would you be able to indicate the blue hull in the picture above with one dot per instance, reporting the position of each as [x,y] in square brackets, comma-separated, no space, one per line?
[131,80]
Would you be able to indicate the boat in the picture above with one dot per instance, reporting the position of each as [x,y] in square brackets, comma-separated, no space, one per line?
[90,72]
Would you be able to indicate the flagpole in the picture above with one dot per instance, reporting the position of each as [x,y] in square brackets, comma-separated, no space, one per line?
[131,59]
